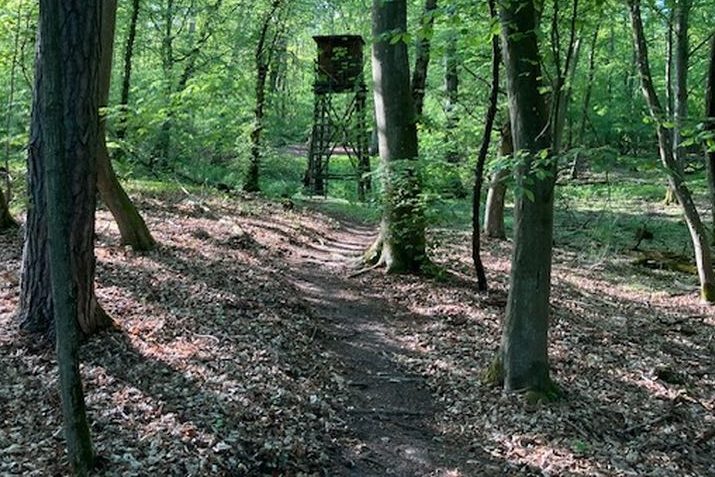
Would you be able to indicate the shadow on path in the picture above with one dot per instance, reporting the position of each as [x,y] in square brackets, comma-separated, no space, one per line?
[389,410]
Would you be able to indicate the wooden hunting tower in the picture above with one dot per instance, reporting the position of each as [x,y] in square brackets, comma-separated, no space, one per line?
[338,121]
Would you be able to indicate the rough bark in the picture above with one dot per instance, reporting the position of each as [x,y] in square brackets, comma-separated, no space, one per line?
[673,168]
[524,344]
[80,143]
[132,227]
[401,244]
[482,158]
[263,60]
[422,55]
[68,77]
[494,209]
[710,126]
[127,76]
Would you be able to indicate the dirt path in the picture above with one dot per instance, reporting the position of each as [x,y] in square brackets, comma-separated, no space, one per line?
[389,410]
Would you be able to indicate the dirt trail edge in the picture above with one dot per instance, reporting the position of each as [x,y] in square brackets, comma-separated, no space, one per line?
[389,410]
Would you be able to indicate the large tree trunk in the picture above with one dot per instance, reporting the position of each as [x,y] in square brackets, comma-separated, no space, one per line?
[401,245]
[36,309]
[422,55]
[710,126]
[494,211]
[524,343]
[6,220]
[132,227]
[672,166]
[67,110]
[482,158]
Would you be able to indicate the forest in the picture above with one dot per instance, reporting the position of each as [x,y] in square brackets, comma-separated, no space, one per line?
[351,238]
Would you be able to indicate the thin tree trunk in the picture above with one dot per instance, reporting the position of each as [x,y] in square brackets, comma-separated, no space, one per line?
[422,55]
[262,57]
[401,244]
[672,166]
[710,126]
[523,355]
[562,82]
[7,198]
[482,157]
[494,213]
[132,227]
[576,166]
[127,77]
[680,70]
[67,80]
[451,101]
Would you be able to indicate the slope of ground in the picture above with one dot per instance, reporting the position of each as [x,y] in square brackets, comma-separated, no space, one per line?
[244,348]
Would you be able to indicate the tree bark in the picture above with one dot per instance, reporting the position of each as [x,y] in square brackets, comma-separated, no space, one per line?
[422,55]
[672,166]
[132,227]
[494,214]
[561,94]
[482,157]
[127,77]
[680,70]
[451,102]
[67,80]
[80,142]
[710,126]
[401,244]
[576,166]
[263,60]
[524,343]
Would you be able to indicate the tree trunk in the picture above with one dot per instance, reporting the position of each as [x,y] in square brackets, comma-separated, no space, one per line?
[6,219]
[127,77]
[576,166]
[422,55]
[401,245]
[132,227]
[482,157]
[494,214]
[66,82]
[561,94]
[680,70]
[710,126]
[451,102]
[36,308]
[262,57]
[672,166]
[524,343]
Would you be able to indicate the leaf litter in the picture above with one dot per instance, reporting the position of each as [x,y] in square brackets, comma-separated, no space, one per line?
[219,365]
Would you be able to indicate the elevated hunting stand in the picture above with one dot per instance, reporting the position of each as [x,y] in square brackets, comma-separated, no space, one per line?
[338,123]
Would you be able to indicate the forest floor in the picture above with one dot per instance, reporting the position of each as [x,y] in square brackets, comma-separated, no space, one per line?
[242,346]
